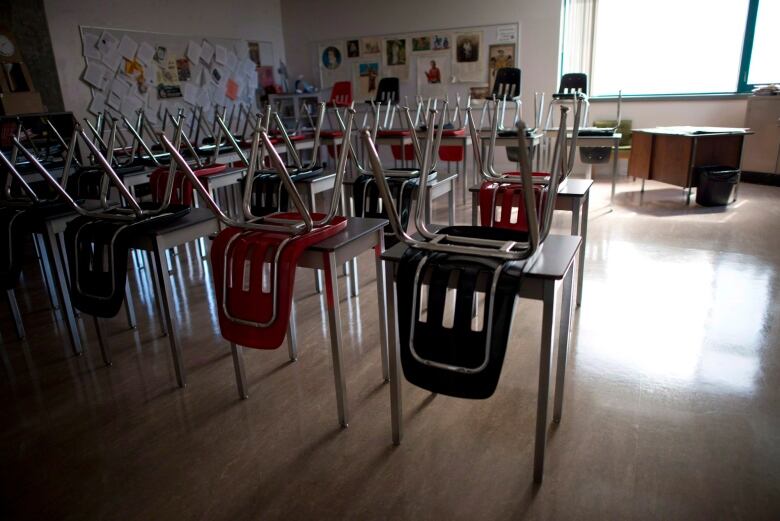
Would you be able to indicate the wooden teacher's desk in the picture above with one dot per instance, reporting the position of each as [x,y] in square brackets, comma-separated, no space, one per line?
[672,154]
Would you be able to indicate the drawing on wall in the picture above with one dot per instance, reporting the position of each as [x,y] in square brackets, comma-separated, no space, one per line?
[183,68]
[254,52]
[159,54]
[433,71]
[467,47]
[421,43]
[370,46]
[440,42]
[396,52]
[367,79]
[331,57]
[265,76]
[499,56]
[168,80]
[136,71]
[353,48]
[469,64]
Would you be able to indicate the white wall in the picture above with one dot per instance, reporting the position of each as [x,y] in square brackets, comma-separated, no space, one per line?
[248,19]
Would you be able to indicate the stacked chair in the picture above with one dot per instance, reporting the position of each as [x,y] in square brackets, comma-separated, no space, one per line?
[501,195]
[254,259]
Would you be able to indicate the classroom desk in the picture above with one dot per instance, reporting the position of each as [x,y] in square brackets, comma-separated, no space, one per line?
[359,235]
[533,140]
[553,266]
[672,154]
[574,197]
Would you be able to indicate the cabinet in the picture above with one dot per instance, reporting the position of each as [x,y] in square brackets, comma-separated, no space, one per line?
[762,149]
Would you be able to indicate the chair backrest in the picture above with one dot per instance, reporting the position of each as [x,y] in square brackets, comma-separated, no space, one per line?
[341,95]
[573,82]
[624,128]
[388,91]
[507,83]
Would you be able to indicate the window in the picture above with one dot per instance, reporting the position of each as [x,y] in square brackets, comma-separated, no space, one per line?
[672,47]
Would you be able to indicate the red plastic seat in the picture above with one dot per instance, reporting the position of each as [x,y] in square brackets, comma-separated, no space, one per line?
[408,152]
[246,285]
[508,198]
[341,94]
[453,132]
[330,134]
[451,153]
[182,188]
[393,133]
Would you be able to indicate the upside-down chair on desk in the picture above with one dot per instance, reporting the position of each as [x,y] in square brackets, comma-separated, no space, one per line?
[455,345]
[501,201]
[97,241]
[254,262]
[402,182]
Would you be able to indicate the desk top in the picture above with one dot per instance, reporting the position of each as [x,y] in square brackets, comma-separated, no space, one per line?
[442,177]
[569,188]
[357,227]
[552,263]
[687,131]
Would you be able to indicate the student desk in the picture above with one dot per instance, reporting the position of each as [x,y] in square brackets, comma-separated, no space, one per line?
[672,154]
[574,197]
[553,266]
[359,235]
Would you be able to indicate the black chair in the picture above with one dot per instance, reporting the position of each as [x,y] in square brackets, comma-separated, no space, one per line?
[507,83]
[572,83]
[388,91]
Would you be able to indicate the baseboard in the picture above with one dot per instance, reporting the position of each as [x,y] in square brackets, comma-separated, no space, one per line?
[760,178]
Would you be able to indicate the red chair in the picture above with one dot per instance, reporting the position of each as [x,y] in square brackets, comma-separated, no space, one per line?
[341,94]
[182,187]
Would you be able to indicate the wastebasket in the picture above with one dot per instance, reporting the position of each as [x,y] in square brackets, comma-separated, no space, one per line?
[717,185]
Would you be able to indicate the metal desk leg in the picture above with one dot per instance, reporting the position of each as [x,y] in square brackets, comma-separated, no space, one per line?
[584,235]
[50,245]
[152,262]
[238,365]
[380,297]
[292,335]
[164,295]
[465,179]
[45,269]
[105,350]
[396,405]
[451,202]
[615,152]
[545,355]
[334,323]
[564,335]
[129,307]
[14,305]
[474,209]
[312,207]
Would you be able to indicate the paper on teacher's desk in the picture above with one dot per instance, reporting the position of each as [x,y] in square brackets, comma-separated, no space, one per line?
[193,52]
[106,43]
[94,74]
[145,53]
[190,93]
[220,54]
[127,47]
[89,41]
[98,103]
[206,52]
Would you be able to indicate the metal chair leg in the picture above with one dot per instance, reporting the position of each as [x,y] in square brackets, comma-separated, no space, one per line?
[15,313]
[238,365]
[105,351]
[292,335]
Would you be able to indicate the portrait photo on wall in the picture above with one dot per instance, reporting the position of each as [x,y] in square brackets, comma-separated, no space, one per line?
[353,49]
[467,47]
[396,52]
[499,56]
[421,43]
[331,57]
[254,52]
[433,74]
[367,80]
[440,42]
[370,46]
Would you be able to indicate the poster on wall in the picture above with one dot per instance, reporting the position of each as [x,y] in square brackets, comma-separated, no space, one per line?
[332,69]
[353,49]
[469,65]
[369,46]
[168,80]
[421,43]
[395,60]
[440,42]
[254,52]
[499,56]
[433,73]
[366,78]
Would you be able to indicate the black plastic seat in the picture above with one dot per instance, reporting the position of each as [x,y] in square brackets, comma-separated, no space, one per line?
[507,83]
[571,84]
[388,91]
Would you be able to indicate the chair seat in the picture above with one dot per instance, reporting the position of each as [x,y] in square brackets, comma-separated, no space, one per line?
[331,133]
[393,133]
[453,132]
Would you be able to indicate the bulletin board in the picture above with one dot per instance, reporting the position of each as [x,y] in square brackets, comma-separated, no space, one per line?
[432,63]
[127,70]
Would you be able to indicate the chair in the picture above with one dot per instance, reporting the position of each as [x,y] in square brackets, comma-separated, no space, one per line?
[254,261]
[459,350]
[341,94]
[604,128]
[388,91]
[573,85]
